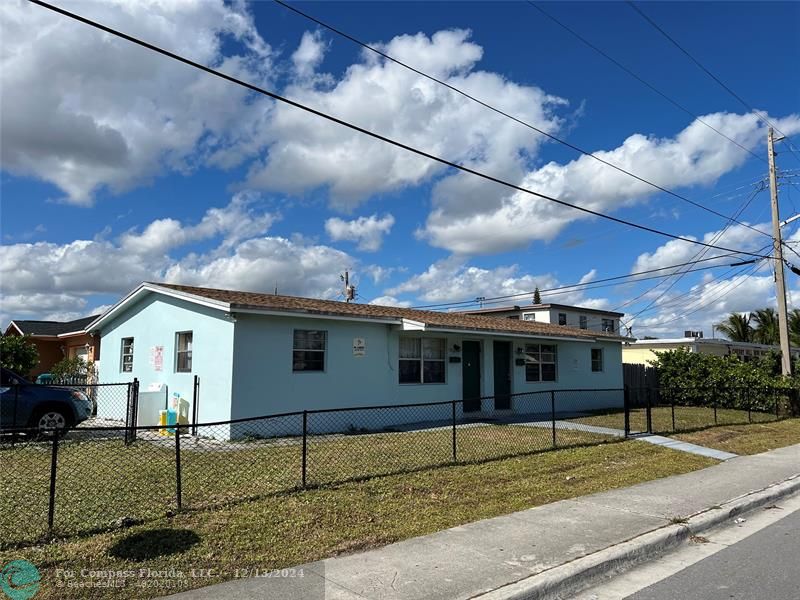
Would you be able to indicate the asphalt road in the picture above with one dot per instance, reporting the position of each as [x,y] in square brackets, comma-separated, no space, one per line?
[764,566]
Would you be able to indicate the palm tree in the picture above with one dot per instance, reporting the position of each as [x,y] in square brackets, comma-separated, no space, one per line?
[766,330]
[736,327]
[794,327]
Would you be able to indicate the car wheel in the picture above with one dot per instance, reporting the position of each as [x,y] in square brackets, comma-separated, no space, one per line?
[52,419]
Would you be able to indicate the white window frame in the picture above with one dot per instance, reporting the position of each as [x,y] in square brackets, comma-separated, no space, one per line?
[422,360]
[602,360]
[529,316]
[324,350]
[123,354]
[178,351]
[532,350]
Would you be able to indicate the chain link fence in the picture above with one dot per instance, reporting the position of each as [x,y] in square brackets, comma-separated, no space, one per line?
[93,478]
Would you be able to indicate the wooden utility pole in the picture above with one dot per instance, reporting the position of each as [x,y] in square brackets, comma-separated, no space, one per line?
[780,282]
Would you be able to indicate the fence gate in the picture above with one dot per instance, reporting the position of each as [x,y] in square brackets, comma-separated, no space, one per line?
[131,412]
[638,410]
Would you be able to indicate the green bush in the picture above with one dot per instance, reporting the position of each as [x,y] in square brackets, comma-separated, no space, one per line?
[695,379]
[73,370]
[18,353]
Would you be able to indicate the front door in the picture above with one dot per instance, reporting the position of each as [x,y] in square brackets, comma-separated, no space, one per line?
[471,376]
[502,375]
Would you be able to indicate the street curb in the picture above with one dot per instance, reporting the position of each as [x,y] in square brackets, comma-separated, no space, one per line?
[572,577]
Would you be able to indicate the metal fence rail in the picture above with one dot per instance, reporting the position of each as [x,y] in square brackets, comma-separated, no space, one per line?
[93,478]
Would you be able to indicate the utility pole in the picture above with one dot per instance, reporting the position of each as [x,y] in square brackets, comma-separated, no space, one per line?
[780,282]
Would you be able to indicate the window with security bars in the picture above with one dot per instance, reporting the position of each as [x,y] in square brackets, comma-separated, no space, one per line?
[583,322]
[422,360]
[597,360]
[540,362]
[126,355]
[183,352]
[308,350]
[608,325]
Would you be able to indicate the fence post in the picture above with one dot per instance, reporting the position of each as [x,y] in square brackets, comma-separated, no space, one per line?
[777,406]
[649,411]
[455,455]
[305,447]
[178,465]
[553,414]
[626,404]
[195,400]
[715,411]
[749,405]
[51,509]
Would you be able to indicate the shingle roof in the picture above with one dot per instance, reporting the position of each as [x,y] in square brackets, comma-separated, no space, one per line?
[444,320]
[52,328]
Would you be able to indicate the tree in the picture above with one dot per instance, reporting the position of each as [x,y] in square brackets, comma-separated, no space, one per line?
[737,328]
[537,297]
[73,370]
[18,353]
[766,330]
[794,327]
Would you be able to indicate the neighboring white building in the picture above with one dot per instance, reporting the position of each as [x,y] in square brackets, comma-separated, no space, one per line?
[643,351]
[591,319]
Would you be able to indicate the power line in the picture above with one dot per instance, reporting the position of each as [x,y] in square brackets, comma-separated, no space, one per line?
[495,299]
[641,80]
[372,134]
[518,120]
[702,67]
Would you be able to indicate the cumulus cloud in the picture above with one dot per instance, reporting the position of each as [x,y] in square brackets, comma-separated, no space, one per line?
[308,153]
[116,115]
[695,156]
[309,54]
[390,301]
[367,231]
[47,278]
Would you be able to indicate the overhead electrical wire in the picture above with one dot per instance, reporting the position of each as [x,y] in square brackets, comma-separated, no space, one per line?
[572,287]
[518,120]
[702,67]
[642,80]
[367,132]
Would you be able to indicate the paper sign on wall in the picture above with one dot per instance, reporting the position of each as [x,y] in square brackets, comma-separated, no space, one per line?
[157,358]
[359,347]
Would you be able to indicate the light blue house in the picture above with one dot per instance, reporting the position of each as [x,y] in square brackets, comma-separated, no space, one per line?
[260,354]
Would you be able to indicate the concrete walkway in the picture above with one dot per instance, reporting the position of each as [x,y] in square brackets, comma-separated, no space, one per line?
[479,557]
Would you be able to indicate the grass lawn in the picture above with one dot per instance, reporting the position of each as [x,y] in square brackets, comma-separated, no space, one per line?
[292,528]
[686,418]
[101,481]
[747,439]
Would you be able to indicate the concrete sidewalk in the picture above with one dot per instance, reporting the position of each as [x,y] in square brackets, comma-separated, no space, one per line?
[479,557]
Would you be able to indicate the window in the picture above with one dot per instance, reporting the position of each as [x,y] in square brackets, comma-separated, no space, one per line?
[540,362]
[183,352]
[562,318]
[308,351]
[126,356]
[528,316]
[608,325]
[583,321]
[422,360]
[514,317]
[597,360]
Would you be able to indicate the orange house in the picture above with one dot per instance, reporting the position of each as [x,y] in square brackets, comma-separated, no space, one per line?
[58,340]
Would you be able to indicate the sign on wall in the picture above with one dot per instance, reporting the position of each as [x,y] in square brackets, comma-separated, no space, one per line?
[359,347]
[157,358]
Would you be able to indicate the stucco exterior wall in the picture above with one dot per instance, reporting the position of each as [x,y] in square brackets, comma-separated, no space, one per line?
[154,321]
[264,383]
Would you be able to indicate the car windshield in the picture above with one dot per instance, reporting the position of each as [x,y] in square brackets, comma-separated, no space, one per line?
[9,378]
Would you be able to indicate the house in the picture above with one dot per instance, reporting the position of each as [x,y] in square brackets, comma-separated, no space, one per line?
[259,354]
[56,340]
[591,319]
[643,351]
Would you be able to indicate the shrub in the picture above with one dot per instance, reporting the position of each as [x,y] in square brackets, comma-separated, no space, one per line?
[18,353]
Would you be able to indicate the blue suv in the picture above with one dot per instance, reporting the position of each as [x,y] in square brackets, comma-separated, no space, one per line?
[23,404]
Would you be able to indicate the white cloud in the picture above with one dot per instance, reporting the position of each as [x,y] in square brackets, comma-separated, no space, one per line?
[367,231]
[309,54]
[695,156]
[115,115]
[307,152]
[390,301]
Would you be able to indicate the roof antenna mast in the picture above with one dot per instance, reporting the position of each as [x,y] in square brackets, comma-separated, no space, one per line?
[349,290]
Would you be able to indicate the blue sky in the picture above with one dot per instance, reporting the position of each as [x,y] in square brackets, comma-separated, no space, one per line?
[125,167]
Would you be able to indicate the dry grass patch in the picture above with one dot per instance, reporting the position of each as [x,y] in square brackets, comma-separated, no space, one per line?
[747,439]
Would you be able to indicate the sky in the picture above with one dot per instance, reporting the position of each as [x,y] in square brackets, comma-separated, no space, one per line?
[121,166]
